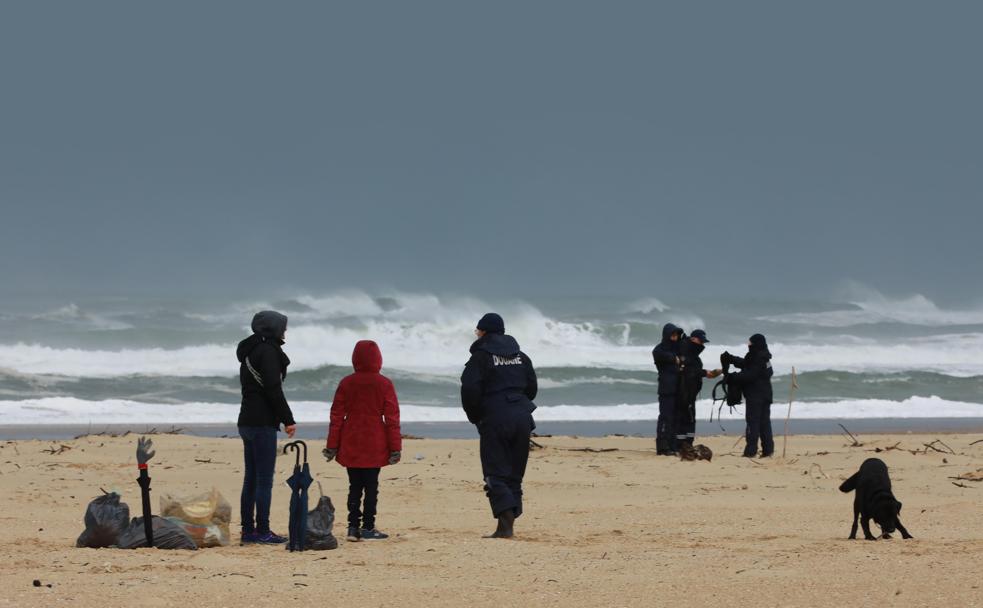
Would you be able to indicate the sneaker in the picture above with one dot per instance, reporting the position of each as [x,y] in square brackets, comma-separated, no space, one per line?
[353,535]
[248,538]
[269,538]
[374,534]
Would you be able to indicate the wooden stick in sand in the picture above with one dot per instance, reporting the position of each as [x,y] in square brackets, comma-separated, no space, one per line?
[791,396]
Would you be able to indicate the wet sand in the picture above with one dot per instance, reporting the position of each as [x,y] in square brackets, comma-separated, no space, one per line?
[611,528]
[591,428]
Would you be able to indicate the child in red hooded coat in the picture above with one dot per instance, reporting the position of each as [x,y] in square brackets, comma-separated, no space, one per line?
[364,435]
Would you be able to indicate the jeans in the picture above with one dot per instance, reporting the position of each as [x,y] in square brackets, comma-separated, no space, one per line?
[259,451]
[359,481]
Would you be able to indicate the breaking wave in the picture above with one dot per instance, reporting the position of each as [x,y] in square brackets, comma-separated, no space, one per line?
[58,411]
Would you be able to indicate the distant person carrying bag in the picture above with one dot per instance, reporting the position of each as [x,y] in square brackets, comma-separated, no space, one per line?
[262,369]
[754,381]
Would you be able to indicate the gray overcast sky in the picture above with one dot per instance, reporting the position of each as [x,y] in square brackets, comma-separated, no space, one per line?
[547,147]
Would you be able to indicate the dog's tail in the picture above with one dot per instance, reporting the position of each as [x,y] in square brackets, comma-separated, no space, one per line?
[850,484]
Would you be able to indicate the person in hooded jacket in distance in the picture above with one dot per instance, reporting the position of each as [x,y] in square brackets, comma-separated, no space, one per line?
[668,361]
[365,436]
[692,374]
[262,369]
[497,389]
[754,380]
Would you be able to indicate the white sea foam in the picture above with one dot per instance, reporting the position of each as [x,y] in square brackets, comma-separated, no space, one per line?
[872,307]
[420,333]
[548,383]
[647,306]
[435,349]
[428,334]
[66,410]
[72,314]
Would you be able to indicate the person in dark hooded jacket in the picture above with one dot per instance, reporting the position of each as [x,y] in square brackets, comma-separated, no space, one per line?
[754,380]
[262,368]
[667,360]
[497,389]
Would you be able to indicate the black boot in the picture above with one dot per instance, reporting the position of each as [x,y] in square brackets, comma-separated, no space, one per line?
[505,521]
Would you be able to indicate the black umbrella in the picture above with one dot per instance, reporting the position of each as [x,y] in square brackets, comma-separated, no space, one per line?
[299,482]
[145,451]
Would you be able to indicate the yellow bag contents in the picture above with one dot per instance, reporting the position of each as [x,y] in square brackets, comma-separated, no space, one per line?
[205,517]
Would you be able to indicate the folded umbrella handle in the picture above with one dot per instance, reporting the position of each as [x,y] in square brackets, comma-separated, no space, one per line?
[293,446]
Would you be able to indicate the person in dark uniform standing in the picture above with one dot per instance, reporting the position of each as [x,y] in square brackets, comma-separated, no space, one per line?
[754,380]
[497,389]
[690,384]
[667,361]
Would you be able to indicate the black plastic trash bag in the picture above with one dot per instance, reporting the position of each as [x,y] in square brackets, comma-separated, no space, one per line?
[167,535]
[320,520]
[105,520]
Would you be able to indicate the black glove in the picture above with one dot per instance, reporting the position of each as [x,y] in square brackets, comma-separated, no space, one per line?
[145,450]
[329,453]
[394,457]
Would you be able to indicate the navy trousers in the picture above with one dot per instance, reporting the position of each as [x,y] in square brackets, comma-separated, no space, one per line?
[504,449]
[685,421]
[758,418]
[665,427]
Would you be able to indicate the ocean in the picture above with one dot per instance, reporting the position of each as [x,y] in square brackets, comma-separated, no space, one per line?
[101,361]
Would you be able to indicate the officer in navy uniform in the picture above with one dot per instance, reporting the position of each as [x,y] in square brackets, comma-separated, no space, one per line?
[690,383]
[497,389]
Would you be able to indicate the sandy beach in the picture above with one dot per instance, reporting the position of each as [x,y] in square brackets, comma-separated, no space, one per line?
[614,527]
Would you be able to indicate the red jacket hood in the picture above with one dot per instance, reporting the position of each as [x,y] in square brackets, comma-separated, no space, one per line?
[367,357]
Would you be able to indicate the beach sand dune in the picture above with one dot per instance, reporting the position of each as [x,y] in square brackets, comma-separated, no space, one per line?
[610,528]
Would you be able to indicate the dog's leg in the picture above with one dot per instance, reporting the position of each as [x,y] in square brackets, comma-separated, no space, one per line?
[901,529]
[853,528]
[865,524]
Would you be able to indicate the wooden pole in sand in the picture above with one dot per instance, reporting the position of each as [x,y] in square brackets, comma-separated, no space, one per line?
[791,395]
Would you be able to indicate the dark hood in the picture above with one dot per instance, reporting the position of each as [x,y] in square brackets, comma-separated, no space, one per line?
[268,328]
[246,346]
[367,357]
[759,347]
[496,344]
[760,352]
[270,324]
[668,330]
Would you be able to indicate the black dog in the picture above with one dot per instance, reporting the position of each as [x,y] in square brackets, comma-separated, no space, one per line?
[874,500]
